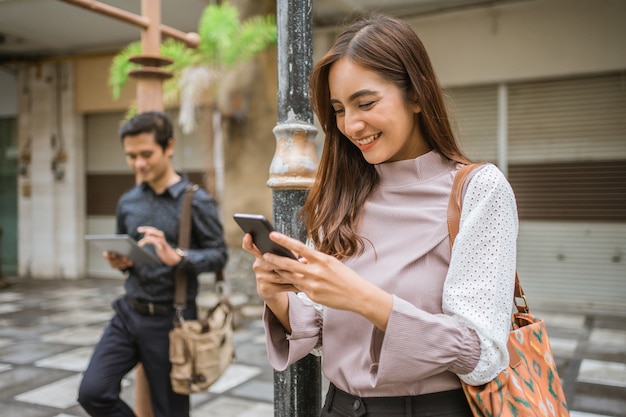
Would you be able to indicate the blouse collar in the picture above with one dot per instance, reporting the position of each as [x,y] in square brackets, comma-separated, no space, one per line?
[408,171]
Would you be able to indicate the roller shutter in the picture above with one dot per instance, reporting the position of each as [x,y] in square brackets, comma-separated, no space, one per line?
[474,114]
[567,166]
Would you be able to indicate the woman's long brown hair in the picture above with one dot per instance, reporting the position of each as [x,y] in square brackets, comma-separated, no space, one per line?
[345,179]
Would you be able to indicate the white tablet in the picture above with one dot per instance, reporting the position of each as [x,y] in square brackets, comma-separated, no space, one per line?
[124,245]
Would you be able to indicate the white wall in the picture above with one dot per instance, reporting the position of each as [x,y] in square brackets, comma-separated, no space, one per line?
[518,41]
[526,40]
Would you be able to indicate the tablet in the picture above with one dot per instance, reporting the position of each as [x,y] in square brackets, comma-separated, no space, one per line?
[124,245]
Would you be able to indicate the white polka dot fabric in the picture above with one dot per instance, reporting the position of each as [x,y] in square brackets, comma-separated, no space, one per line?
[479,286]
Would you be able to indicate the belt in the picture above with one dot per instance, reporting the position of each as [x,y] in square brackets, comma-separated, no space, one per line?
[150,309]
[453,401]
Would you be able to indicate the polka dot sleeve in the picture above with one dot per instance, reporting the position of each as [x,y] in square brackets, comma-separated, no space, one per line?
[478,290]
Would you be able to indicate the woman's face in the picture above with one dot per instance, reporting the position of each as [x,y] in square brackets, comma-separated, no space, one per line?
[373,114]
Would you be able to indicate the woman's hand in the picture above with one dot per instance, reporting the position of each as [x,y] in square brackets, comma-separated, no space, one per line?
[268,284]
[325,280]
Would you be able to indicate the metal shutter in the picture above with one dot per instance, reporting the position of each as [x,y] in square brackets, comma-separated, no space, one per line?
[475,118]
[567,156]
[567,166]
[577,119]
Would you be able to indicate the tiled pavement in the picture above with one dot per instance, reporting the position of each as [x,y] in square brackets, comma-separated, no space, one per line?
[48,329]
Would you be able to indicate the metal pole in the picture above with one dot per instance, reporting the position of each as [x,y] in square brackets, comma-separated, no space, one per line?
[297,390]
[150,77]
[503,126]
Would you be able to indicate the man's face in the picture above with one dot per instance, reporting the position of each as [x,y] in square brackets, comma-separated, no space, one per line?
[147,159]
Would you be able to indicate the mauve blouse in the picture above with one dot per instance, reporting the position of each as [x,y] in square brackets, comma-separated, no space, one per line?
[451,312]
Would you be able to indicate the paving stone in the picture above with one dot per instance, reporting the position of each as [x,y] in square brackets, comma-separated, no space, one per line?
[79,335]
[60,394]
[234,407]
[16,409]
[21,379]
[28,352]
[74,360]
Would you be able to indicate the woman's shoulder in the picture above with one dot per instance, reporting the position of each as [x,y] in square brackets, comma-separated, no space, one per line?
[489,179]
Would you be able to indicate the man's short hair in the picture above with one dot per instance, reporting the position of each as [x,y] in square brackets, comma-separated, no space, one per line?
[149,122]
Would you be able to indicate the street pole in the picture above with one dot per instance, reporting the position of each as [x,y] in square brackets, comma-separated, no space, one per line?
[150,76]
[190,38]
[297,390]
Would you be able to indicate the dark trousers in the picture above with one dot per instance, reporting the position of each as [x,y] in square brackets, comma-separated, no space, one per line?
[439,404]
[130,338]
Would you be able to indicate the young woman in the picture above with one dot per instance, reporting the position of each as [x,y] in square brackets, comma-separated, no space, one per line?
[403,319]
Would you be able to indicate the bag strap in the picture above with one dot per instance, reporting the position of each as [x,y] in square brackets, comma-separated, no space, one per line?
[454,219]
[180,293]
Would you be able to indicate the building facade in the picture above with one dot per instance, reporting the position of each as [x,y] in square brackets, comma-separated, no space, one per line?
[536,87]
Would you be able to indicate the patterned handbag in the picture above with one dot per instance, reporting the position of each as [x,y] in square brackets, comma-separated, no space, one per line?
[530,386]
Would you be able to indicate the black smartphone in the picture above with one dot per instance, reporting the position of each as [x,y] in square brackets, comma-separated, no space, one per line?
[259,227]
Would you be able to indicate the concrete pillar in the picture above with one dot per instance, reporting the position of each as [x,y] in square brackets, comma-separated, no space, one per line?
[51,194]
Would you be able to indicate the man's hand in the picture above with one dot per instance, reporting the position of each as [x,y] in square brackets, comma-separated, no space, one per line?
[155,237]
[117,261]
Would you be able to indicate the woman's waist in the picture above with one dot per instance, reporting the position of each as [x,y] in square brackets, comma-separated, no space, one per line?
[451,402]
[358,382]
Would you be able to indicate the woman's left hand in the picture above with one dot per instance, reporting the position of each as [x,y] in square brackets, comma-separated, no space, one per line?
[327,281]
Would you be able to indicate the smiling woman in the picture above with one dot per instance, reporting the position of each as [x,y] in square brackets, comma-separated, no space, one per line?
[403,320]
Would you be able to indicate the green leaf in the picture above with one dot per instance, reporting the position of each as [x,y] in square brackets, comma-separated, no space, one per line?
[218,24]
[180,53]
[121,66]
[225,42]
[255,35]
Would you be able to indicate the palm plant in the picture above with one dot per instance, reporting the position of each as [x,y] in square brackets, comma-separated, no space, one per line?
[225,43]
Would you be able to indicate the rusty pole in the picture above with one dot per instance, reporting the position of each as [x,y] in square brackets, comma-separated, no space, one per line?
[297,390]
[192,39]
[150,76]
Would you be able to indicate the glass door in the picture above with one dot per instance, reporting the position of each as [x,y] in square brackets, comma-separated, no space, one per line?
[8,196]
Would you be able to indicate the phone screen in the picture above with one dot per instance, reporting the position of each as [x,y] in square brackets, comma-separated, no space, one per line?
[259,228]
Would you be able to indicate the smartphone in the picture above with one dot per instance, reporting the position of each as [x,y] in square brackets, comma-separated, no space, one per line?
[259,227]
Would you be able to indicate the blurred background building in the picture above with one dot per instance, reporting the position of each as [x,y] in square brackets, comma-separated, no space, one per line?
[536,86]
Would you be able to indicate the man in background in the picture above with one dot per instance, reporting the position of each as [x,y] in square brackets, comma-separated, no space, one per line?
[150,213]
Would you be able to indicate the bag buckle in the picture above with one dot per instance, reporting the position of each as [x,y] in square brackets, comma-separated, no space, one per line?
[222,289]
[178,314]
[522,307]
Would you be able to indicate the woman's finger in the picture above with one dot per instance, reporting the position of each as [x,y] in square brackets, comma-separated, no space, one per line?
[296,246]
[248,245]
